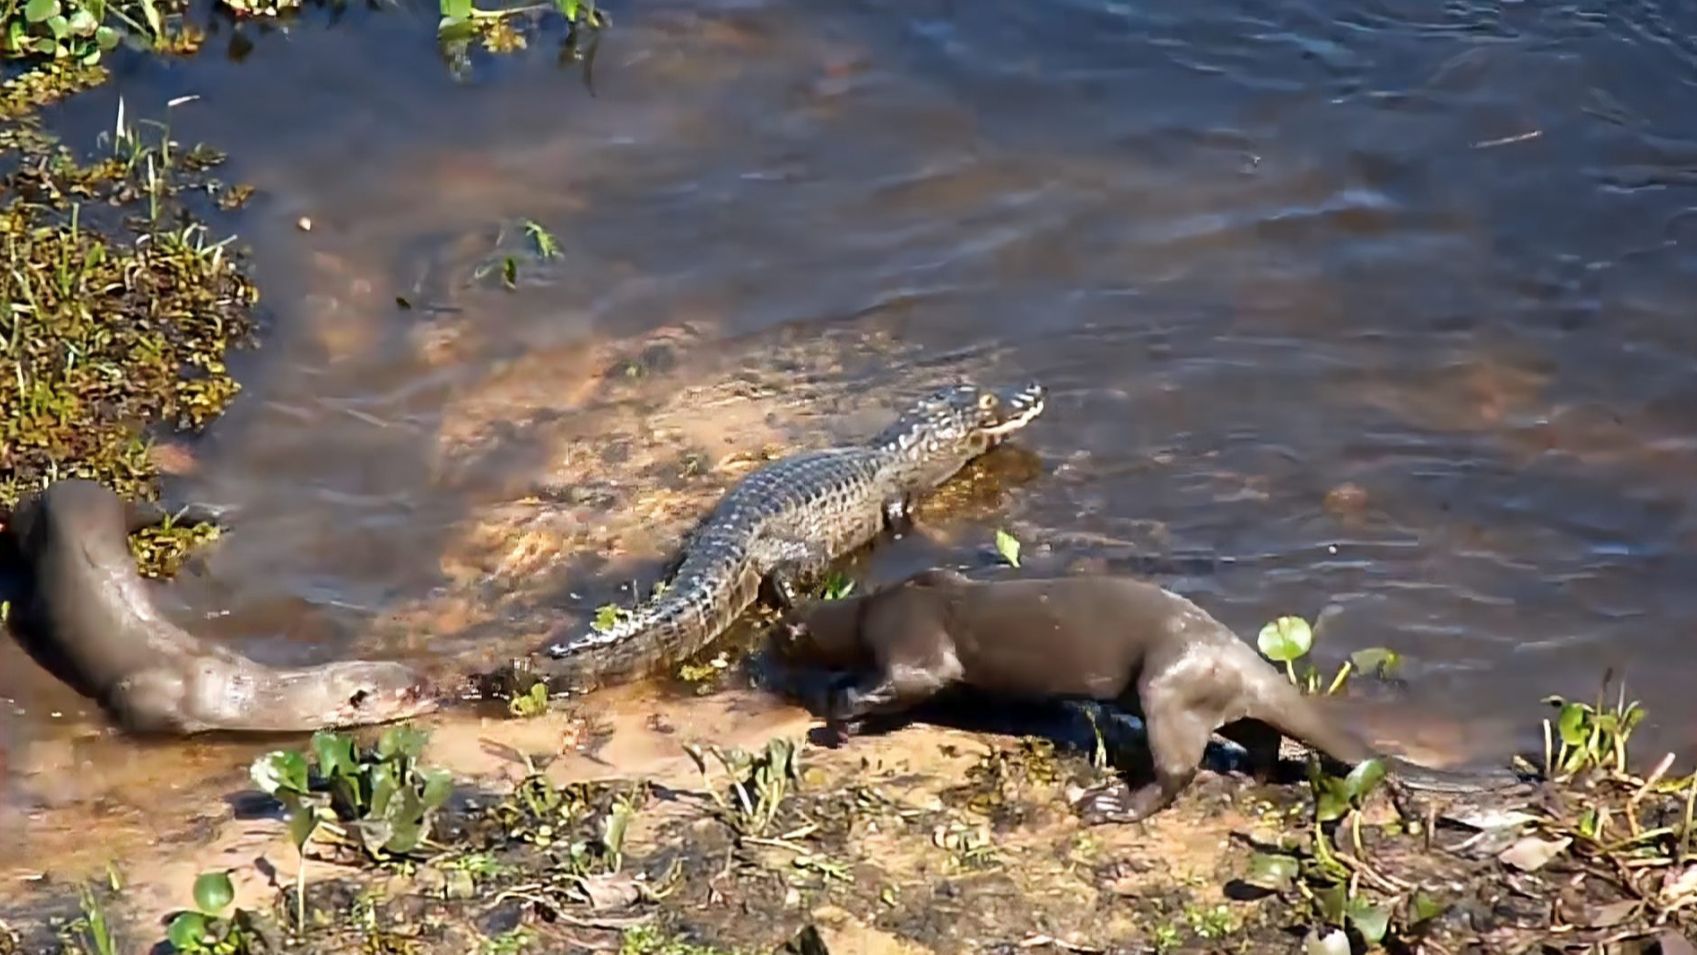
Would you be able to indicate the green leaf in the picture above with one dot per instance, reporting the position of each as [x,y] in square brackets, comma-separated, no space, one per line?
[438,786]
[45,45]
[36,11]
[456,9]
[1008,546]
[1333,901]
[279,771]
[1331,799]
[607,616]
[405,817]
[59,27]
[186,932]
[1285,639]
[1363,778]
[568,8]
[1571,723]
[303,822]
[452,30]
[1370,920]
[1271,871]
[1424,907]
[335,753]
[1377,661]
[213,891]
[404,740]
[83,23]
[150,12]
[384,786]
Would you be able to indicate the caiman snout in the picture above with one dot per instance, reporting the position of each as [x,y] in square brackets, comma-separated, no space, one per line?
[1010,409]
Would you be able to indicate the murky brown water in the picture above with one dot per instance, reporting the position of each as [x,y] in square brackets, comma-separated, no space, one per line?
[1440,252]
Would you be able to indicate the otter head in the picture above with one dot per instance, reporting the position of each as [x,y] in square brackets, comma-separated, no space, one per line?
[356,693]
[822,633]
[951,426]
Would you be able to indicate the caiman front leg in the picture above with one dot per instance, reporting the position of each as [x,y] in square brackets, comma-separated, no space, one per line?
[898,516]
[795,564]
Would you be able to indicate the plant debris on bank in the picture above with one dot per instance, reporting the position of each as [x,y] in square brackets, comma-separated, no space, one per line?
[117,305]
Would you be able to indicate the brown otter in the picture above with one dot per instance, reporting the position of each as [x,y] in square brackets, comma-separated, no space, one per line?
[1086,637]
[89,615]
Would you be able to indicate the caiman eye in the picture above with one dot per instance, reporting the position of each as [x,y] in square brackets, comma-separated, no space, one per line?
[987,401]
[359,698]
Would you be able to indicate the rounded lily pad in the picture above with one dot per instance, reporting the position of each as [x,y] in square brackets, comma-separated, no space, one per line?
[213,891]
[1285,639]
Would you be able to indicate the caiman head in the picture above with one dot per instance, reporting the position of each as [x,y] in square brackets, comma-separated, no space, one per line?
[951,426]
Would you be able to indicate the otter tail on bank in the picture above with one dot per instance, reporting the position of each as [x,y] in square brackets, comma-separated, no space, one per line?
[89,616]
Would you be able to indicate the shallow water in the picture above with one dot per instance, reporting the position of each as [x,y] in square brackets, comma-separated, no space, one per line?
[1256,251]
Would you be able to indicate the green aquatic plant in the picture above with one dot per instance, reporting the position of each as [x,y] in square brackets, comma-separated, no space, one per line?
[83,31]
[1289,639]
[205,929]
[463,22]
[1589,737]
[1007,546]
[380,796]
[109,321]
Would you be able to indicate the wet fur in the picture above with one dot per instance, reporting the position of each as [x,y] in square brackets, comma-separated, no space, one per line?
[89,618]
[1110,639]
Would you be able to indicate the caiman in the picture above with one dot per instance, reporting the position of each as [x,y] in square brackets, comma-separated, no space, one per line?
[781,527]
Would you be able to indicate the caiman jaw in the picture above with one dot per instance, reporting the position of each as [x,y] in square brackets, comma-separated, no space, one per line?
[1019,407]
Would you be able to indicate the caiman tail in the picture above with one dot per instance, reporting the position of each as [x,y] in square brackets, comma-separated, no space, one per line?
[700,601]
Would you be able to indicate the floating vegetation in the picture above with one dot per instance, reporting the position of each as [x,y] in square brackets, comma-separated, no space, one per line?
[499,30]
[118,311]
[82,31]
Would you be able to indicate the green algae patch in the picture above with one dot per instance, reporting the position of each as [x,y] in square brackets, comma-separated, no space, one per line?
[117,307]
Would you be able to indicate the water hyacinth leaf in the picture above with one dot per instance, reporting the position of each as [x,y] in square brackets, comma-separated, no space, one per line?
[1331,798]
[303,821]
[615,826]
[1424,907]
[1285,639]
[187,932]
[1007,545]
[406,823]
[404,740]
[1363,778]
[35,11]
[384,787]
[438,786]
[456,9]
[1271,871]
[335,754]
[1370,920]
[279,771]
[213,891]
[1571,723]
[455,30]
[1378,661]
[59,26]
[150,12]
[568,8]
[45,45]
[82,23]
[1333,901]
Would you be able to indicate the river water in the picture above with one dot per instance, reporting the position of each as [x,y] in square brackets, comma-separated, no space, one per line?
[1376,309]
